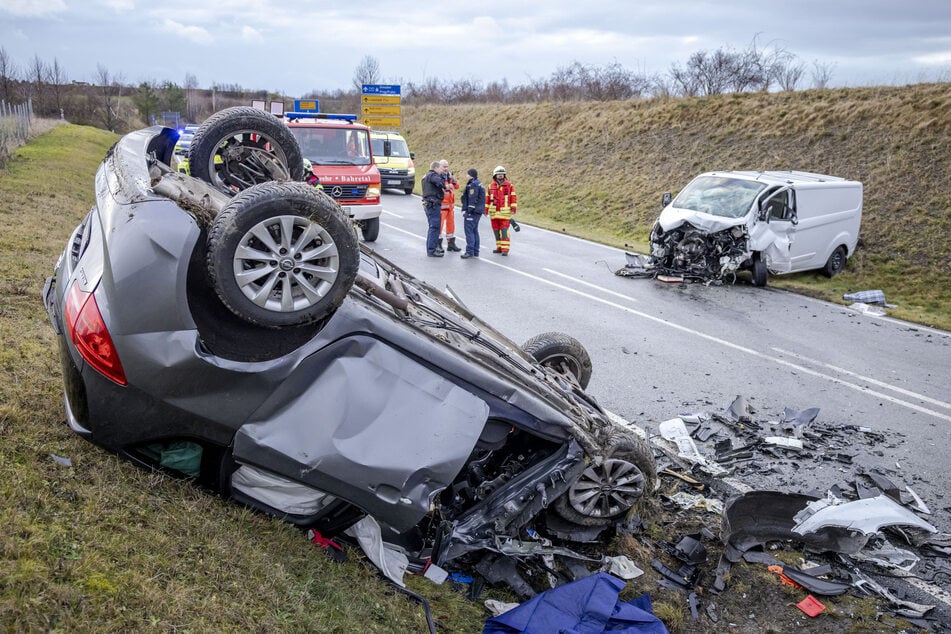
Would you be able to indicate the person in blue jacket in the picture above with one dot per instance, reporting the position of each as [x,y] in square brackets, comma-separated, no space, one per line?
[473,208]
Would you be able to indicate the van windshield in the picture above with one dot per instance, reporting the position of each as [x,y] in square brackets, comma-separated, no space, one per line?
[719,196]
[333,146]
[398,148]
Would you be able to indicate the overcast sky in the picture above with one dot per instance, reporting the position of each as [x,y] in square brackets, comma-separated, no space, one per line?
[296,47]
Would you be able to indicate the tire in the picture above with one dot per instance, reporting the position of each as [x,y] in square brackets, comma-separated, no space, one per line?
[282,254]
[408,191]
[562,353]
[760,274]
[605,492]
[371,229]
[835,263]
[238,147]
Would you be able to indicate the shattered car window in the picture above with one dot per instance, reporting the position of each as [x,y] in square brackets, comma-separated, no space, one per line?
[719,196]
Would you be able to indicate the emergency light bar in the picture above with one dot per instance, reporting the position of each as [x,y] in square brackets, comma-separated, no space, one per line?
[320,115]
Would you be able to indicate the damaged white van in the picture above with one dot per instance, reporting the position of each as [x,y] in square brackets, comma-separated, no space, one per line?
[765,222]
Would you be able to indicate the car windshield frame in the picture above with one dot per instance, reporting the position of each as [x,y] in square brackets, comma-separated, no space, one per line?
[722,196]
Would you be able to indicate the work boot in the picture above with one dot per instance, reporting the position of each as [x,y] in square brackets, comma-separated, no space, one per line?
[439,245]
[466,256]
[451,246]
[496,250]
[438,253]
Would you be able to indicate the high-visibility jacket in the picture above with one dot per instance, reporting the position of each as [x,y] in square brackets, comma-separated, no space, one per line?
[500,199]
[449,197]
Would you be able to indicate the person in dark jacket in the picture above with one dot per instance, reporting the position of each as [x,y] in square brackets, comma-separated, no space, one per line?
[473,208]
[433,191]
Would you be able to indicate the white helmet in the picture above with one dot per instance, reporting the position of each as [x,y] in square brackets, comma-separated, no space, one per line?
[498,170]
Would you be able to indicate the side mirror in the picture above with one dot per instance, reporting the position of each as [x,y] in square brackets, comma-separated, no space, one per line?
[412,155]
[665,199]
[387,148]
[794,219]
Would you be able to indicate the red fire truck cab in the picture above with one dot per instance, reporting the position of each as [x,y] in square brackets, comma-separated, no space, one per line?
[339,149]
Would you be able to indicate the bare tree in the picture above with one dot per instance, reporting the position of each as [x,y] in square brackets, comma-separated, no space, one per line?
[108,99]
[8,76]
[367,72]
[821,73]
[191,105]
[58,80]
[36,84]
[790,74]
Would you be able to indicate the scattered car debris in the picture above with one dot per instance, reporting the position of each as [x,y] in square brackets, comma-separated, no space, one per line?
[60,460]
[811,606]
[868,297]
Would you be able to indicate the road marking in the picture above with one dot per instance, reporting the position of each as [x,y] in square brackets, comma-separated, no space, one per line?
[595,286]
[887,386]
[723,342]
[395,215]
[729,344]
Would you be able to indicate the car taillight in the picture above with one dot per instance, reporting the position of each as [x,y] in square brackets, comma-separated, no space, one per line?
[88,331]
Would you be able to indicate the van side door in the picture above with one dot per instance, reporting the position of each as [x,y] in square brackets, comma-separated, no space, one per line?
[774,231]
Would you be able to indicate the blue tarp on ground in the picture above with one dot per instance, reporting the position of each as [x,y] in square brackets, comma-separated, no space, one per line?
[586,606]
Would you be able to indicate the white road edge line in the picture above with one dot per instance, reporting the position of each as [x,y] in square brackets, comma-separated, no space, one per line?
[595,286]
[728,344]
[722,342]
[887,386]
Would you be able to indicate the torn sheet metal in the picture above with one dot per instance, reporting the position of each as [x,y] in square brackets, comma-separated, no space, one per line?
[850,524]
[888,557]
[784,442]
[637,265]
[675,431]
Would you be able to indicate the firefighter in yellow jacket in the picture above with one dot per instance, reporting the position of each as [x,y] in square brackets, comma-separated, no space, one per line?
[500,203]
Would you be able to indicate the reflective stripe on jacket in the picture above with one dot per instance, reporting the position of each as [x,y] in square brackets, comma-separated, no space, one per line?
[500,199]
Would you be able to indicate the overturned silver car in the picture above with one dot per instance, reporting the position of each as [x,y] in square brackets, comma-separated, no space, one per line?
[227,326]
[762,222]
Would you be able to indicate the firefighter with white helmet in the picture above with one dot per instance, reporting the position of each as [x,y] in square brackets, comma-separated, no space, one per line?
[500,203]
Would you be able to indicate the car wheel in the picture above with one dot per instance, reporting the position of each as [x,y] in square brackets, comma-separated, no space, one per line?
[835,263]
[562,353]
[282,254]
[236,148]
[408,191]
[606,490]
[760,274]
[371,229]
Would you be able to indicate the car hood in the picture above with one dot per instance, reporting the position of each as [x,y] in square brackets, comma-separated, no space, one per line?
[672,217]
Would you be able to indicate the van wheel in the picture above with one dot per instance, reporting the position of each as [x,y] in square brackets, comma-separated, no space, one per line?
[408,190]
[835,263]
[759,271]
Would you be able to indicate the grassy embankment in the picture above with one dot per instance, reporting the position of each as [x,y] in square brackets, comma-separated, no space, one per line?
[598,169]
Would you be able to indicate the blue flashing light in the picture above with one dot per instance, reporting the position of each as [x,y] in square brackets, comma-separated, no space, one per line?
[320,115]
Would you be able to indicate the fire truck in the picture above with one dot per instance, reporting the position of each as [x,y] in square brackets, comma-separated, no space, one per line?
[339,149]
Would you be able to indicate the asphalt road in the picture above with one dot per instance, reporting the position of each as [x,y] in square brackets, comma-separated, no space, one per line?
[662,350]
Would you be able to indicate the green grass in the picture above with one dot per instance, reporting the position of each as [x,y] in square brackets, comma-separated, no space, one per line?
[597,170]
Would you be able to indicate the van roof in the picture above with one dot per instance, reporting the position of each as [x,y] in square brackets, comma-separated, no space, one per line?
[780,177]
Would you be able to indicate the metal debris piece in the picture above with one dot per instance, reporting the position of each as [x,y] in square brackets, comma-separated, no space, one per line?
[847,526]
[800,417]
[740,410]
[60,460]
[622,566]
[675,431]
[920,505]
[693,602]
[886,556]
[688,501]
[784,442]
